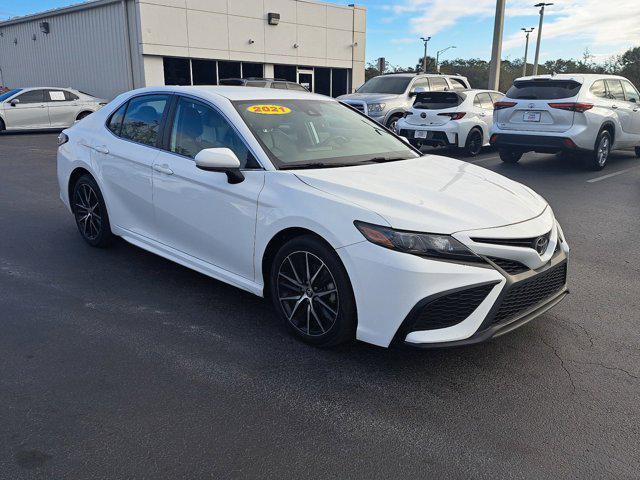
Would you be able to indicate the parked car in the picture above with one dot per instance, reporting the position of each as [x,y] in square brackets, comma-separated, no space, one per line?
[385,98]
[455,119]
[296,197]
[45,107]
[264,83]
[574,113]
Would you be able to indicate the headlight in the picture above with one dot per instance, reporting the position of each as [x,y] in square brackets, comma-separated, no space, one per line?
[422,244]
[62,139]
[376,107]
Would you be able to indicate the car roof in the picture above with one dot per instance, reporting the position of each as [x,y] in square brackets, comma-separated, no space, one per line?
[578,77]
[233,92]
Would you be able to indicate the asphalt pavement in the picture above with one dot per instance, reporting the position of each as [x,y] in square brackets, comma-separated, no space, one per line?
[118,364]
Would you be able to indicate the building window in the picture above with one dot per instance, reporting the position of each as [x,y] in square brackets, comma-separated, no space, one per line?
[255,70]
[205,72]
[176,71]
[228,70]
[286,72]
[322,80]
[339,81]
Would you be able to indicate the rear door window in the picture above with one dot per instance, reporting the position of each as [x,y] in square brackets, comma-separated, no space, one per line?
[457,84]
[115,122]
[55,96]
[280,85]
[484,101]
[438,84]
[295,86]
[254,83]
[141,122]
[616,92]
[599,89]
[70,96]
[630,92]
[543,89]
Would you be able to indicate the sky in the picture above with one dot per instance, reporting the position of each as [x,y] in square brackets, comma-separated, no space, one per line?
[394,28]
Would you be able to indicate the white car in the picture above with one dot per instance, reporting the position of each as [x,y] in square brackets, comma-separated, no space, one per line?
[454,119]
[45,107]
[291,195]
[572,113]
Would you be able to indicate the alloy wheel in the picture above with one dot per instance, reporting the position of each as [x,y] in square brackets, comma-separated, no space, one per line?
[475,143]
[603,150]
[307,293]
[87,211]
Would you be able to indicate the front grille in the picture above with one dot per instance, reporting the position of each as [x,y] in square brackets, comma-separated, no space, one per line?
[526,294]
[450,309]
[510,266]
[514,242]
[357,105]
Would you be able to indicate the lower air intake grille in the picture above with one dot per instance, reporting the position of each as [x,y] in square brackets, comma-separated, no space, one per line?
[450,309]
[529,293]
[510,266]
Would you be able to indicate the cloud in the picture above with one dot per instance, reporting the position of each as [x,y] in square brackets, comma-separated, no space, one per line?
[614,26]
[403,41]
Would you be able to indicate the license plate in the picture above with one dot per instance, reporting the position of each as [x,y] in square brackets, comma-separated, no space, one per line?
[421,134]
[531,117]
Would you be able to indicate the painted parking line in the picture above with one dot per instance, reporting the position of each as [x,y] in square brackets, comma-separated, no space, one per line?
[609,175]
[478,160]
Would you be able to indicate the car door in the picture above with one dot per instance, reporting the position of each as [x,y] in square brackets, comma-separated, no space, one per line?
[62,111]
[30,111]
[124,154]
[485,113]
[621,108]
[199,212]
[633,98]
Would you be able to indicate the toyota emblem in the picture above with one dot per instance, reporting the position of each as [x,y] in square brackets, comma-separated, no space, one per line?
[541,244]
[531,105]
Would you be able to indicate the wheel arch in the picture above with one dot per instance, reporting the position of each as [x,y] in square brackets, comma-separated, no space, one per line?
[276,242]
[610,126]
[83,113]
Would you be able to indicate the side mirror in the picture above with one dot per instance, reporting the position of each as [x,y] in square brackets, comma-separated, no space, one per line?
[14,102]
[220,160]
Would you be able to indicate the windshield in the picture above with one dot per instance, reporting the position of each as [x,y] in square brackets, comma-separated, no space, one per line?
[318,133]
[10,93]
[543,89]
[394,85]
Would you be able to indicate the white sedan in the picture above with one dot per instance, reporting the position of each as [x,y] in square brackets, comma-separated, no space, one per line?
[454,119]
[349,230]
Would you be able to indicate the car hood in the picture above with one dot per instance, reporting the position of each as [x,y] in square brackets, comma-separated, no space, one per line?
[430,194]
[369,97]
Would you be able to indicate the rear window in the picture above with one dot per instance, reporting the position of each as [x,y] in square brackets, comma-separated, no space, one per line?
[232,81]
[437,100]
[543,89]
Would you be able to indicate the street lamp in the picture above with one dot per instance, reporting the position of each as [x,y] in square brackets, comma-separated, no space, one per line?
[526,50]
[424,59]
[438,56]
[535,63]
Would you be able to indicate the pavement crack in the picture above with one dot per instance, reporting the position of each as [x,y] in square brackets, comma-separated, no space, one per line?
[564,367]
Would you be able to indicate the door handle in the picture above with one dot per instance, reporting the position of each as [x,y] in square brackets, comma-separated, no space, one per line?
[163,169]
[101,149]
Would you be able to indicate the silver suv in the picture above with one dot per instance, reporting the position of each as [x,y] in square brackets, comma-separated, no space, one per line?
[385,98]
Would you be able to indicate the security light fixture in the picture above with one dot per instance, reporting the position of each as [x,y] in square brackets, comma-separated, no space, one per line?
[44,27]
[251,41]
[273,18]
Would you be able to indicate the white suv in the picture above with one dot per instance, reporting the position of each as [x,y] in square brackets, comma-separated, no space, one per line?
[567,113]
[460,119]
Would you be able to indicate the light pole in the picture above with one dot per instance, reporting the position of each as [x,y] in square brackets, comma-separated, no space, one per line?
[526,50]
[424,59]
[496,50]
[535,62]
[438,56]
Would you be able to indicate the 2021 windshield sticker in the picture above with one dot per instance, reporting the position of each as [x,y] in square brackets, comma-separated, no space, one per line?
[269,109]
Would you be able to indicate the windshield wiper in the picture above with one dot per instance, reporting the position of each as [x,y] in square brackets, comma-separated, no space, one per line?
[384,159]
[302,166]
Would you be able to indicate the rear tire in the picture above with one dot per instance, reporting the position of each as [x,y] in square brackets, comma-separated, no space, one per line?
[597,160]
[316,302]
[473,145]
[510,156]
[90,212]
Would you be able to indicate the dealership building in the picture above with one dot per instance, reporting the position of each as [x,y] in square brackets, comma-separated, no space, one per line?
[105,47]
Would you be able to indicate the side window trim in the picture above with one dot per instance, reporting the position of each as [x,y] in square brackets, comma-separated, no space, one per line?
[169,127]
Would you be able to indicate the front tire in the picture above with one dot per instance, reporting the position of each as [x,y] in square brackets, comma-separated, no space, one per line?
[311,292]
[597,160]
[473,145]
[393,122]
[90,212]
[509,156]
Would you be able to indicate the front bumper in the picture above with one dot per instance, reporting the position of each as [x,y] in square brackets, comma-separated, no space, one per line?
[393,289]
